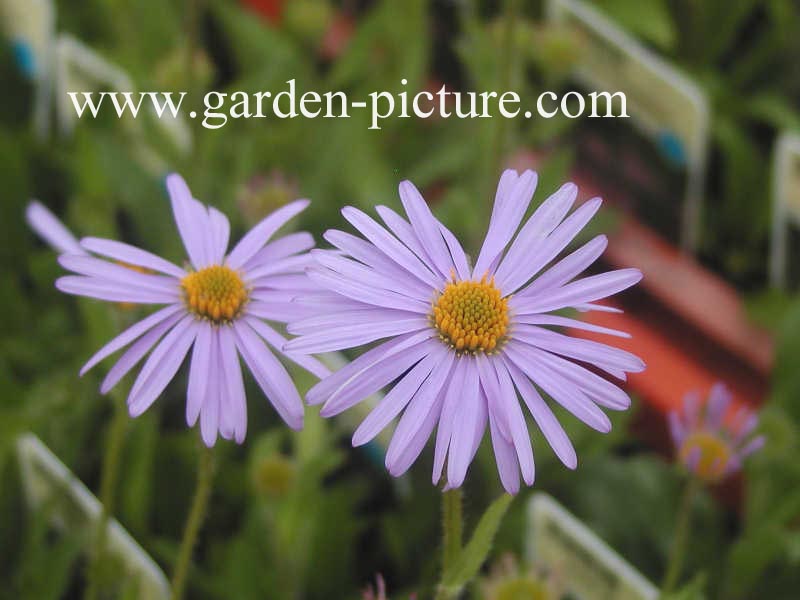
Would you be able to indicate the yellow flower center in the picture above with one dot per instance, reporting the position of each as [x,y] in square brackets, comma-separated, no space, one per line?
[216,293]
[713,454]
[471,316]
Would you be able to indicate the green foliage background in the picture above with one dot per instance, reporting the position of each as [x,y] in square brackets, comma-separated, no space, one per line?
[327,517]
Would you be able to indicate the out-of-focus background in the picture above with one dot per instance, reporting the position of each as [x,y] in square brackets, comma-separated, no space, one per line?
[701,187]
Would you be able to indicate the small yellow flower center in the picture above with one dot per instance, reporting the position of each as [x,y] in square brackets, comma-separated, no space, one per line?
[471,316]
[713,452]
[216,293]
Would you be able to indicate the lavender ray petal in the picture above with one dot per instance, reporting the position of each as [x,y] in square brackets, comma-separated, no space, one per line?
[362,292]
[118,274]
[327,387]
[581,291]
[199,373]
[47,226]
[262,232]
[389,245]
[277,341]
[420,415]
[545,419]
[288,245]
[92,287]
[426,226]
[517,276]
[136,352]
[464,425]
[270,375]
[131,334]
[161,366]
[559,321]
[396,400]
[131,255]
[561,390]
[191,218]
[234,385]
[543,221]
[568,267]
[506,217]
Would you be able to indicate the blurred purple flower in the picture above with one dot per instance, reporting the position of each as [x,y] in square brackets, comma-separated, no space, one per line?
[710,443]
[217,304]
[466,340]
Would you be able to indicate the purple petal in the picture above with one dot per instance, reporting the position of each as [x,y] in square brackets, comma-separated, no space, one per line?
[131,255]
[210,411]
[579,292]
[368,254]
[389,245]
[544,417]
[509,208]
[199,372]
[567,268]
[354,335]
[277,341]
[426,226]
[161,366]
[51,230]
[288,245]
[382,373]
[515,276]
[400,395]
[324,389]
[192,220]
[538,319]
[600,390]
[136,352]
[718,401]
[113,292]
[221,231]
[465,422]
[131,334]
[353,270]
[508,403]
[270,375]
[421,415]
[562,391]
[444,432]
[457,254]
[261,233]
[532,235]
[601,355]
[362,292]
[118,274]
[233,389]
[506,459]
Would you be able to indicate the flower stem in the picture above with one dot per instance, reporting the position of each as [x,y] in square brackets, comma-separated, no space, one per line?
[680,542]
[108,485]
[197,513]
[452,531]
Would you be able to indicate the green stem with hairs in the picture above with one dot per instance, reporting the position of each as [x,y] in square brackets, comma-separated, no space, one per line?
[680,543]
[452,533]
[197,514]
[108,485]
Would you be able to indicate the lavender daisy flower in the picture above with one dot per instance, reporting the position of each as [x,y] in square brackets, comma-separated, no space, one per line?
[216,306]
[708,444]
[466,342]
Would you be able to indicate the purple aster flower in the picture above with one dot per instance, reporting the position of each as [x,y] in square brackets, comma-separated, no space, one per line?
[710,442]
[216,306]
[466,342]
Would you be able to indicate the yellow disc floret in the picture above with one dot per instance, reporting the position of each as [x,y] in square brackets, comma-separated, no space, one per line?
[471,316]
[216,293]
[712,455]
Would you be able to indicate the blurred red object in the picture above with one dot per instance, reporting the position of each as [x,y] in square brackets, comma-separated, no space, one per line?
[271,10]
[337,36]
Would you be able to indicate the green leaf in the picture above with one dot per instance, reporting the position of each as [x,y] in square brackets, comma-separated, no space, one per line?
[475,552]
